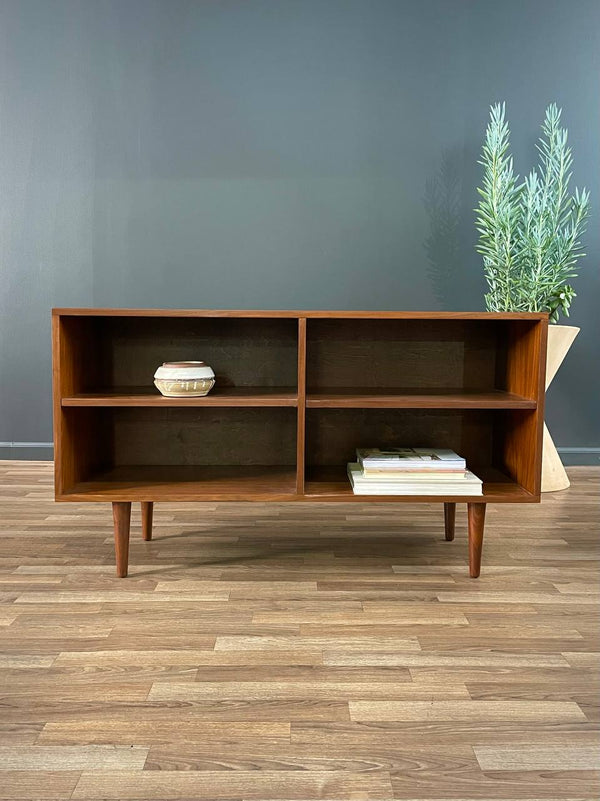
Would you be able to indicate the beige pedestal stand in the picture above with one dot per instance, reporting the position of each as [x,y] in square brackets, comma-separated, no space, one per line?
[560,339]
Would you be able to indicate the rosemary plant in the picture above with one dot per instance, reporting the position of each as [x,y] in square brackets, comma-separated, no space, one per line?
[529,232]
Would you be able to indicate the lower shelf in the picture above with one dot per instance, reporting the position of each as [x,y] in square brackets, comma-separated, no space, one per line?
[331,484]
[187,483]
[163,483]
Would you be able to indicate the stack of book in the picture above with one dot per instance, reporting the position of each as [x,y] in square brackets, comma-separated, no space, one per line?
[411,471]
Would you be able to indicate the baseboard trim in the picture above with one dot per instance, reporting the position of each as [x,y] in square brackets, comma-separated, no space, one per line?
[26,445]
[27,451]
[579,450]
[579,456]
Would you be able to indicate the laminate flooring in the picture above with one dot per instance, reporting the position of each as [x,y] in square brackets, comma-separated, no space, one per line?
[300,651]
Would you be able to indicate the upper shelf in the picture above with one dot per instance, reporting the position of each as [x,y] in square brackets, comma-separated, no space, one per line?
[408,398]
[325,398]
[219,396]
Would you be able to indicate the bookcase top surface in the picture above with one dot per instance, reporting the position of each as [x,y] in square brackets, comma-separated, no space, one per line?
[315,314]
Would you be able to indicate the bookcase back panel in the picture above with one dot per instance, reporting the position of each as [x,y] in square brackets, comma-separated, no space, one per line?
[436,354]
[332,435]
[85,446]
[210,436]
[242,352]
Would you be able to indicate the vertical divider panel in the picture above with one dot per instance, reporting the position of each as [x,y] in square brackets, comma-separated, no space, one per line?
[301,426]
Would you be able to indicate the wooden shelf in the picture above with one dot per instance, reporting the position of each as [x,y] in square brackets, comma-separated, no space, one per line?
[262,483]
[332,484]
[415,398]
[219,396]
[187,483]
[310,314]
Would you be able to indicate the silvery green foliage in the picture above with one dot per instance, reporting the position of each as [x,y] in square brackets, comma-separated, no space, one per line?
[529,232]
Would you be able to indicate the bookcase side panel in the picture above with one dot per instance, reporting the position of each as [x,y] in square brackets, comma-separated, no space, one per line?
[520,449]
[524,369]
[76,366]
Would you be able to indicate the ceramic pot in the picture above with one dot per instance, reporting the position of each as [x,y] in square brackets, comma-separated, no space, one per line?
[560,339]
[184,379]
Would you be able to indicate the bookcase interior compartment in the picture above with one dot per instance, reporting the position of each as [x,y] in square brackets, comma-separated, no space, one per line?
[120,353]
[198,451]
[379,356]
[484,438]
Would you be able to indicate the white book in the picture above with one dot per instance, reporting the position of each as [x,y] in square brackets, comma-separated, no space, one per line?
[408,459]
[469,485]
[403,476]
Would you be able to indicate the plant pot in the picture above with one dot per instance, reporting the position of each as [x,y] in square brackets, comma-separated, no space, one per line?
[560,339]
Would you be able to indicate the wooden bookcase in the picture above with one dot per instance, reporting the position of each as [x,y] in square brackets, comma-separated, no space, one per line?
[296,393]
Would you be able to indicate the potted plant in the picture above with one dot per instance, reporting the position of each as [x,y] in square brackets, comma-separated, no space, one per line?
[530,240]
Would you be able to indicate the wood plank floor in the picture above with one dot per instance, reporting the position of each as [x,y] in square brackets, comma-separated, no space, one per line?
[298,652]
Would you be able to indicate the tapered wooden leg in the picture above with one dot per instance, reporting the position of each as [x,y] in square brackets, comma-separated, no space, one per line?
[147,509]
[476,515]
[122,518]
[449,518]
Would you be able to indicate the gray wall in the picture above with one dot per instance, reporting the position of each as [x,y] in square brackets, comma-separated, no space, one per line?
[272,153]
